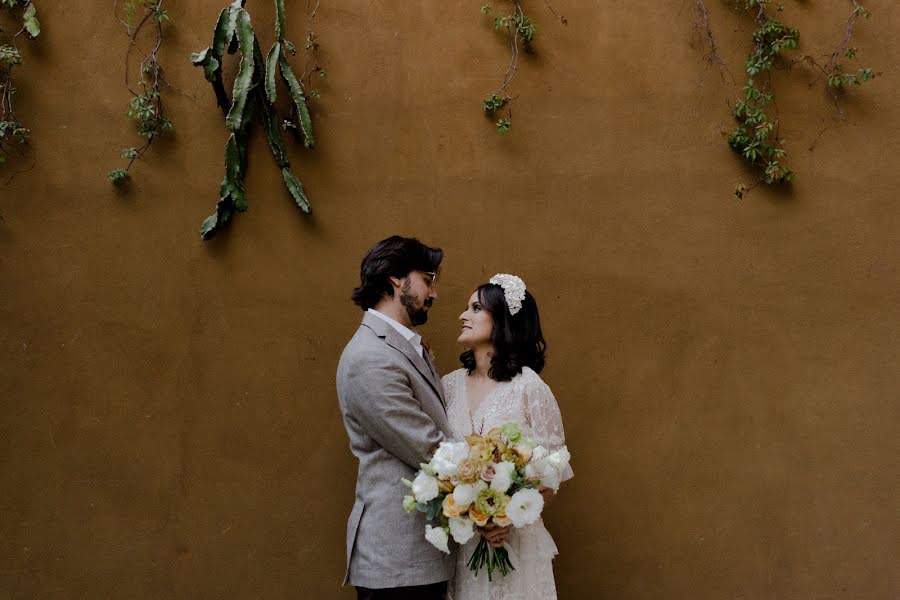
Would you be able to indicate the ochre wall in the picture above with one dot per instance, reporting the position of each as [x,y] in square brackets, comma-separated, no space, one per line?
[727,370]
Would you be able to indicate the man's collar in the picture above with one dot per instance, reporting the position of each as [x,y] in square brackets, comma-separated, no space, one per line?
[411,336]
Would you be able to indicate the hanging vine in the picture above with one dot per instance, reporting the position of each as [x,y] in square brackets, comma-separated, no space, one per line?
[13,134]
[145,107]
[756,136]
[254,93]
[520,31]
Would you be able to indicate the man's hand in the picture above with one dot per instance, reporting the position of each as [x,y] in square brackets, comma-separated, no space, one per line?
[494,534]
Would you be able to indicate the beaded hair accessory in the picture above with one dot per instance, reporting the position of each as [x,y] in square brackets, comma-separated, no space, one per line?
[513,290]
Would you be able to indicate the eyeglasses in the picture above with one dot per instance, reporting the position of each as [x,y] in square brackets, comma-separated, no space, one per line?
[432,280]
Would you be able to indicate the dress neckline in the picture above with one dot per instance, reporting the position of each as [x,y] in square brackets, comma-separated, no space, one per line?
[484,401]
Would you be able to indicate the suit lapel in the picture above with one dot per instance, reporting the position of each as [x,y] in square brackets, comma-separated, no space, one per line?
[393,339]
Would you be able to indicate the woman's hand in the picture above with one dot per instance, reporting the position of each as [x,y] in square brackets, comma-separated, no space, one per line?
[547,493]
[494,534]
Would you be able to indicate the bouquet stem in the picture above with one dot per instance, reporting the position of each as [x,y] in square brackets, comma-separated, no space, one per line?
[486,556]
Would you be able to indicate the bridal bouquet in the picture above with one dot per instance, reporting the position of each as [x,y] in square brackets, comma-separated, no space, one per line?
[490,478]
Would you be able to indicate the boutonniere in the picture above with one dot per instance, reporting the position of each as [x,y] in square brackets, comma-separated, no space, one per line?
[429,351]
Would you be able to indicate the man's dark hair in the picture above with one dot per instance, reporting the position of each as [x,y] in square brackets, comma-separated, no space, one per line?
[394,257]
[517,339]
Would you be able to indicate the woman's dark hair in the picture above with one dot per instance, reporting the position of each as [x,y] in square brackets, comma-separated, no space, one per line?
[517,339]
[394,257]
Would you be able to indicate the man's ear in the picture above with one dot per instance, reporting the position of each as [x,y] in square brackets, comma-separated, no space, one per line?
[397,282]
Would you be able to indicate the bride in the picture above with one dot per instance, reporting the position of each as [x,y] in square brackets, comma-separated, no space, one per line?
[499,382]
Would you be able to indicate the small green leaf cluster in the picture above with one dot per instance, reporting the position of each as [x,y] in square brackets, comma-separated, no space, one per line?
[493,102]
[145,109]
[152,8]
[29,15]
[520,29]
[522,26]
[118,176]
[769,39]
[755,135]
[10,56]
[839,79]
[11,130]
[752,137]
[861,11]
[14,131]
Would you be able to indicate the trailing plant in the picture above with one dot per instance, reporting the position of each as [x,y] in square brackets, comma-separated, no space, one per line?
[520,31]
[253,95]
[756,136]
[13,134]
[145,107]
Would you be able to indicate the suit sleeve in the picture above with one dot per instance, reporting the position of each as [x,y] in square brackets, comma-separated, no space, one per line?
[378,397]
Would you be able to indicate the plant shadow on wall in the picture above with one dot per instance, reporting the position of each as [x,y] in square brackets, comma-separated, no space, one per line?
[757,135]
[145,107]
[254,93]
[520,33]
[23,14]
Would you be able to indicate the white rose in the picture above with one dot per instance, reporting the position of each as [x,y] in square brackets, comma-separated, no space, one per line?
[425,488]
[560,460]
[462,529]
[503,473]
[448,456]
[438,538]
[550,479]
[525,506]
[539,453]
[465,493]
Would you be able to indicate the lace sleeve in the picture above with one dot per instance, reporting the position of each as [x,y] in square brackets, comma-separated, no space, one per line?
[544,418]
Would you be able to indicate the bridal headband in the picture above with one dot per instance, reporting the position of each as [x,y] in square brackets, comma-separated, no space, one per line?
[513,290]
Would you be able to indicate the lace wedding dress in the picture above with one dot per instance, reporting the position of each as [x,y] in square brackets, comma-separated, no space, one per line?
[528,401]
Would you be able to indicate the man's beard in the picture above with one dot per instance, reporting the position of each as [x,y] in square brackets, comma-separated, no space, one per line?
[417,316]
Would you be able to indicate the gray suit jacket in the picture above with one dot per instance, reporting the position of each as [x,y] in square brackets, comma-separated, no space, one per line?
[392,404]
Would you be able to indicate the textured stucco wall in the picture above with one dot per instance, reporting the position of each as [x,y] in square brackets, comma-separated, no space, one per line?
[727,370]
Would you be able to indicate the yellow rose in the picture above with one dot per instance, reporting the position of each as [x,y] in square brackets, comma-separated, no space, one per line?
[480,449]
[450,507]
[524,453]
[445,486]
[494,433]
[478,517]
[468,471]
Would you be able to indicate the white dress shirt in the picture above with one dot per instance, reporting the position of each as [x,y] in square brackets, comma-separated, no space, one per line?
[408,334]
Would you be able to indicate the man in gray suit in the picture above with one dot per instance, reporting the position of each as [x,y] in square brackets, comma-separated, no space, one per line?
[393,409]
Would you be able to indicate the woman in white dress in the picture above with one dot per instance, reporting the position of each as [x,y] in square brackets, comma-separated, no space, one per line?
[499,382]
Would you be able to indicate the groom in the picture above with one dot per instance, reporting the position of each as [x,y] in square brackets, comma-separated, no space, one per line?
[393,409]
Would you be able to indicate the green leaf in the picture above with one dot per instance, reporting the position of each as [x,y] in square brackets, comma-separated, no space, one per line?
[296,189]
[10,56]
[279,20]
[273,134]
[211,58]
[299,100]
[214,223]
[29,18]
[271,68]
[243,83]
[117,176]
